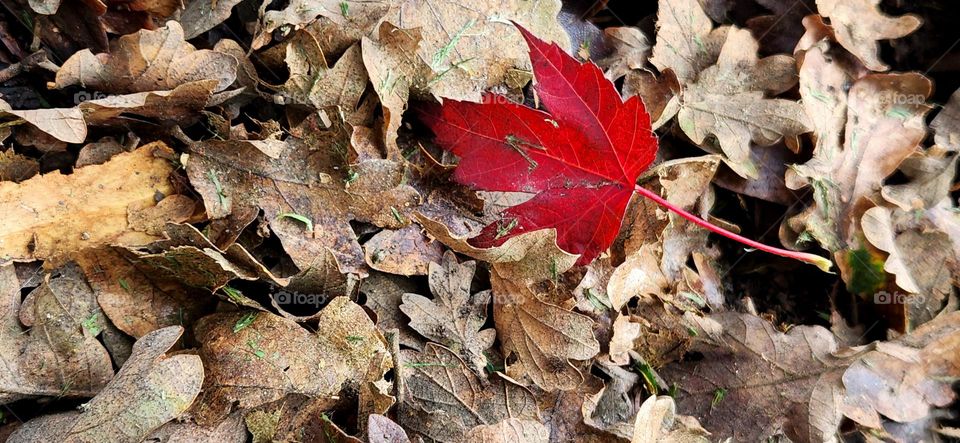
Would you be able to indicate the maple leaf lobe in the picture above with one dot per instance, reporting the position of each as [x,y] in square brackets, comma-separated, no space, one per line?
[581,159]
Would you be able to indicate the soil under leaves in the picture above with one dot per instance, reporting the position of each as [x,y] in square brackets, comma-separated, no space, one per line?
[230,221]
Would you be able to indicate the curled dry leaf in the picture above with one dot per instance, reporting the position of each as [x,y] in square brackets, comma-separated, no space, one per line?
[859,24]
[180,104]
[58,214]
[57,356]
[404,251]
[255,358]
[148,61]
[446,400]
[453,317]
[149,390]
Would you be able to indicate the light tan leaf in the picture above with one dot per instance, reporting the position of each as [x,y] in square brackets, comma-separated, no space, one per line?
[453,317]
[57,214]
[730,101]
[686,42]
[859,24]
[630,49]
[353,16]
[862,137]
[657,422]
[312,82]
[64,124]
[148,61]
[445,399]
[151,389]
[510,430]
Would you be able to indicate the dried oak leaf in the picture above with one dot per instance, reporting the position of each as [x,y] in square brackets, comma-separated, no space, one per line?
[255,358]
[543,336]
[406,251]
[148,61]
[149,390]
[453,317]
[64,124]
[445,400]
[57,214]
[865,128]
[730,100]
[686,42]
[755,381]
[57,356]
[182,104]
[308,195]
[859,24]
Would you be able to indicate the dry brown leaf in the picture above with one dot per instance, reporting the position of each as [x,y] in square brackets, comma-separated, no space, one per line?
[58,214]
[199,16]
[686,42]
[544,337]
[528,257]
[57,356]
[862,137]
[64,124]
[453,317]
[946,125]
[384,295]
[902,380]
[312,82]
[148,61]
[630,49]
[381,429]
[510,430]
[859,24]
[230,430]
[308,196]
[657,422]
[446,400]
[16,168]
[730,101]
[356,17]
[255,358]
[406,251]
[136,299]
[149,390]
[755,382]
[181,104]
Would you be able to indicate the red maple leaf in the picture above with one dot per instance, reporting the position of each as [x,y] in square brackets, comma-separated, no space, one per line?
[581,160]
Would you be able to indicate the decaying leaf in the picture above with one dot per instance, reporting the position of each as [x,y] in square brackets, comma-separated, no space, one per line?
[686,41]
[149,390]
[255,358]
[57,356]
[446,400]
[57,214]
[454,317]
[64,124]
[314,226]
[405,251]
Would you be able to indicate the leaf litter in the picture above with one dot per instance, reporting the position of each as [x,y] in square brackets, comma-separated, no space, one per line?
[407,220]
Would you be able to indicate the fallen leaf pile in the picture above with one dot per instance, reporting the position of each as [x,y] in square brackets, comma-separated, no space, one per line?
[498,221]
